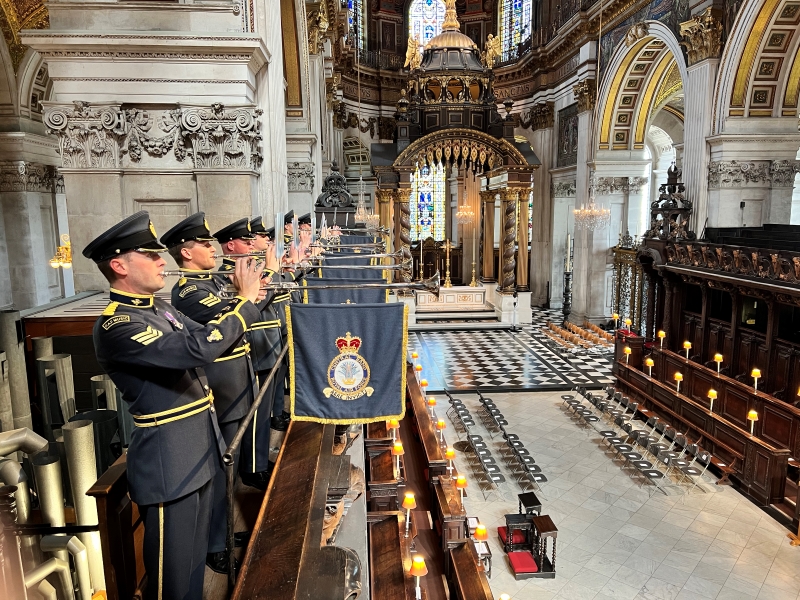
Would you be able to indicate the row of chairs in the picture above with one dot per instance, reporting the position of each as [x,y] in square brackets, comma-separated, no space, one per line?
[484,466]
[518,458]
[588,335]
[599,331]
[657,452]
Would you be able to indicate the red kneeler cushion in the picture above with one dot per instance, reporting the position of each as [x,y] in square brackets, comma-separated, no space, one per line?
[517,538]
[522,562]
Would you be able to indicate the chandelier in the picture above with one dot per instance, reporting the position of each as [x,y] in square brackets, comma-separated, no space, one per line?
[373,221]
[361,207]
[592,216]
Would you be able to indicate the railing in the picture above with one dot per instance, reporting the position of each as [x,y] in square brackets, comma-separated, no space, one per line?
[380,60]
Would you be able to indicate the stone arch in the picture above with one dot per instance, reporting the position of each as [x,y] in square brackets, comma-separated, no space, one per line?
[8,83]
[637,83]
[465,147]
[34,85]
[759,74]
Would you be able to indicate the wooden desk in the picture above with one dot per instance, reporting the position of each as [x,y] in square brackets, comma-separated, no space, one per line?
[436,462]
[761,467]
[389,550]
[383,486]
[378,435]
[467,578]
[449,516]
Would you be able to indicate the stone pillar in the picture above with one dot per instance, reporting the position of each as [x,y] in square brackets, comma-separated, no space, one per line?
[544,222]
[522,241]
[508,233]
[386,200]
[584,279]
[563,220]
[702,38]
[402,222]
[782,176]
[487,245]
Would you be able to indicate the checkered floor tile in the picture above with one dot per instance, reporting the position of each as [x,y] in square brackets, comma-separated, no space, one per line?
[504,360]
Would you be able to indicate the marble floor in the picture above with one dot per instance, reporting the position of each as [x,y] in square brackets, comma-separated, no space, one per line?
[615,541]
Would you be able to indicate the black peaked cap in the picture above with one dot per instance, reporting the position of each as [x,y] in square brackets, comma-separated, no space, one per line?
[238,230]
[192,228]
[133,233]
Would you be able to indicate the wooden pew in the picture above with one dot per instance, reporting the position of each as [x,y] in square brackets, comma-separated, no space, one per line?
[382,484]
[121,533]
[761,467]
[285,558]
[389,551]
[467,578]
[434,456]
[449,517]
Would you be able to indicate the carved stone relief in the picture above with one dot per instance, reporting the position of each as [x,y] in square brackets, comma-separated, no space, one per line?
[563,189]
[22,176]
[301,177]
[762,173]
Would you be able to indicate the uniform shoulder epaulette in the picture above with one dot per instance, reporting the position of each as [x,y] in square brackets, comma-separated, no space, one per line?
[182,281]
[110,309]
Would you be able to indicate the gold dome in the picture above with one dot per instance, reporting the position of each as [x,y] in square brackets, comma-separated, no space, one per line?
[451,39]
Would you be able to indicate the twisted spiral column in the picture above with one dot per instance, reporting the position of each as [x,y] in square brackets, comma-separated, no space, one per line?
[509,198]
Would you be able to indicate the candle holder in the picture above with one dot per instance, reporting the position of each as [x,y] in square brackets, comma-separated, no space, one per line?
[414,357]
[423,383]
[627,351]
[752,416]
[409,503]
[628,324]
[431,405]
[397,452]
[450,454]
[661,336]
[687,345]
[441,426]
[393,425]
[712,395]
[447,283]
[678,377]
[418,569]
[461,483]
[615,316]
[649,364]
[755,374]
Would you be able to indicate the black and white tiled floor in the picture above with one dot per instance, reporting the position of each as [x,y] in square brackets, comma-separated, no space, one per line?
[497,360]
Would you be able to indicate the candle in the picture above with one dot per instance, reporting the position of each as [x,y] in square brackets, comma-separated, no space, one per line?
[687,345]
[627,351]
[649,364]
[567,261]
[615,316]
[678,378]
[718,360]
[661,336]
[752,416]
[755,374]
[628,323]
[450,454]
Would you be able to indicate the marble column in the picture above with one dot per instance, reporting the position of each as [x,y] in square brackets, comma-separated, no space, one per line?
[542,117]
[487,246]
[702,39]
[586,281]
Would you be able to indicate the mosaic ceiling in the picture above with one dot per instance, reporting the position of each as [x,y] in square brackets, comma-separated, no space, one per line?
[17,15]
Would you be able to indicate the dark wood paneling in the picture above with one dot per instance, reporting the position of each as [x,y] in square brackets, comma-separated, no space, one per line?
[776,427]
[735,406]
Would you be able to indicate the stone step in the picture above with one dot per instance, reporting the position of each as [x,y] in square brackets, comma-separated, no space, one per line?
[455,315]
[458,326]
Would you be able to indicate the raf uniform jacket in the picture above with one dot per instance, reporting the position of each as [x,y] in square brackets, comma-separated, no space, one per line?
[155,355]
[197,295]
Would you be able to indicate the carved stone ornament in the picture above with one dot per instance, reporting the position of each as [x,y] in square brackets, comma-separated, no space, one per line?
[383,126]
[541,116]
[563,189]
[22,176]
[88,136]
[98,136]
[702,36]
[638,32]
[317,23]
[301,177]
[782,172]
[334,190]
[619,185]
[586,94]
[734,174]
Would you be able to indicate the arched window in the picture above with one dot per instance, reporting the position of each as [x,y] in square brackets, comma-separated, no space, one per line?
[515,23]
[355,22]
[425,18]
[428,203]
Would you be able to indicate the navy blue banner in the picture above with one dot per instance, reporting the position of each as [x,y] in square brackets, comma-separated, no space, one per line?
[354,295]
[347,363]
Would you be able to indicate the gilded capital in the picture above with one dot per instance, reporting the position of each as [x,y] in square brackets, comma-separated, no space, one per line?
[586,94]
[488,195]
[702,36]
[510,194]
[542,116]
[385,196]
[317,26]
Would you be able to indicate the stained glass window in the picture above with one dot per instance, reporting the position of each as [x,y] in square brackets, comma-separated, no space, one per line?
[355,21]
[427,203]
[425,19]
[515,23]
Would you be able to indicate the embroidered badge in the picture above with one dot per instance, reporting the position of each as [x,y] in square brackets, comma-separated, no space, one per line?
[348,373]
[185,291]
[210,300]
[173,320]
[136,301]
[148,336]
[114,320]
[214,336]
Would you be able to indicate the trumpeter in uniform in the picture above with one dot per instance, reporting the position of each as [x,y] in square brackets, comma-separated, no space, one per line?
[198,295]
[155,356]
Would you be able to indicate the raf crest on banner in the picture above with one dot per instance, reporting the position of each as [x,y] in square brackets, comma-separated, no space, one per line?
[348,373]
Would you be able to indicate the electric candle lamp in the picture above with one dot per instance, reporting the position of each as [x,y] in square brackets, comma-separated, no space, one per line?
[393,425]
[628,324]
[414,357]
[504,597]
[481,534]
[461,483]
[752,416]
[441,426]
[418,569]
[409,503]
[712,395]
[450,454]
[648,362]
[627,351]
[678,378]
[418,368]
[687,345]
[661,336]
[397,452]
[755,374]
[431,404]
[718,360]
[615,316]
[423,384]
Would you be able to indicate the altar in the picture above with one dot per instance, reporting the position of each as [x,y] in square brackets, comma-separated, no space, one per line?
[461,298]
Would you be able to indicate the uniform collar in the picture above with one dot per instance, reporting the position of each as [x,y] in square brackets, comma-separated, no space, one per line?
[228,264]
[195,274]
[129,299]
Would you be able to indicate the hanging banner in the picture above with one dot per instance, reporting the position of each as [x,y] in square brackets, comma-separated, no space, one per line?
[355,295]
[347,363]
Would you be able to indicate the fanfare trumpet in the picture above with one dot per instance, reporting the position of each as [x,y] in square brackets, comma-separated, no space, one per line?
[426,285]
